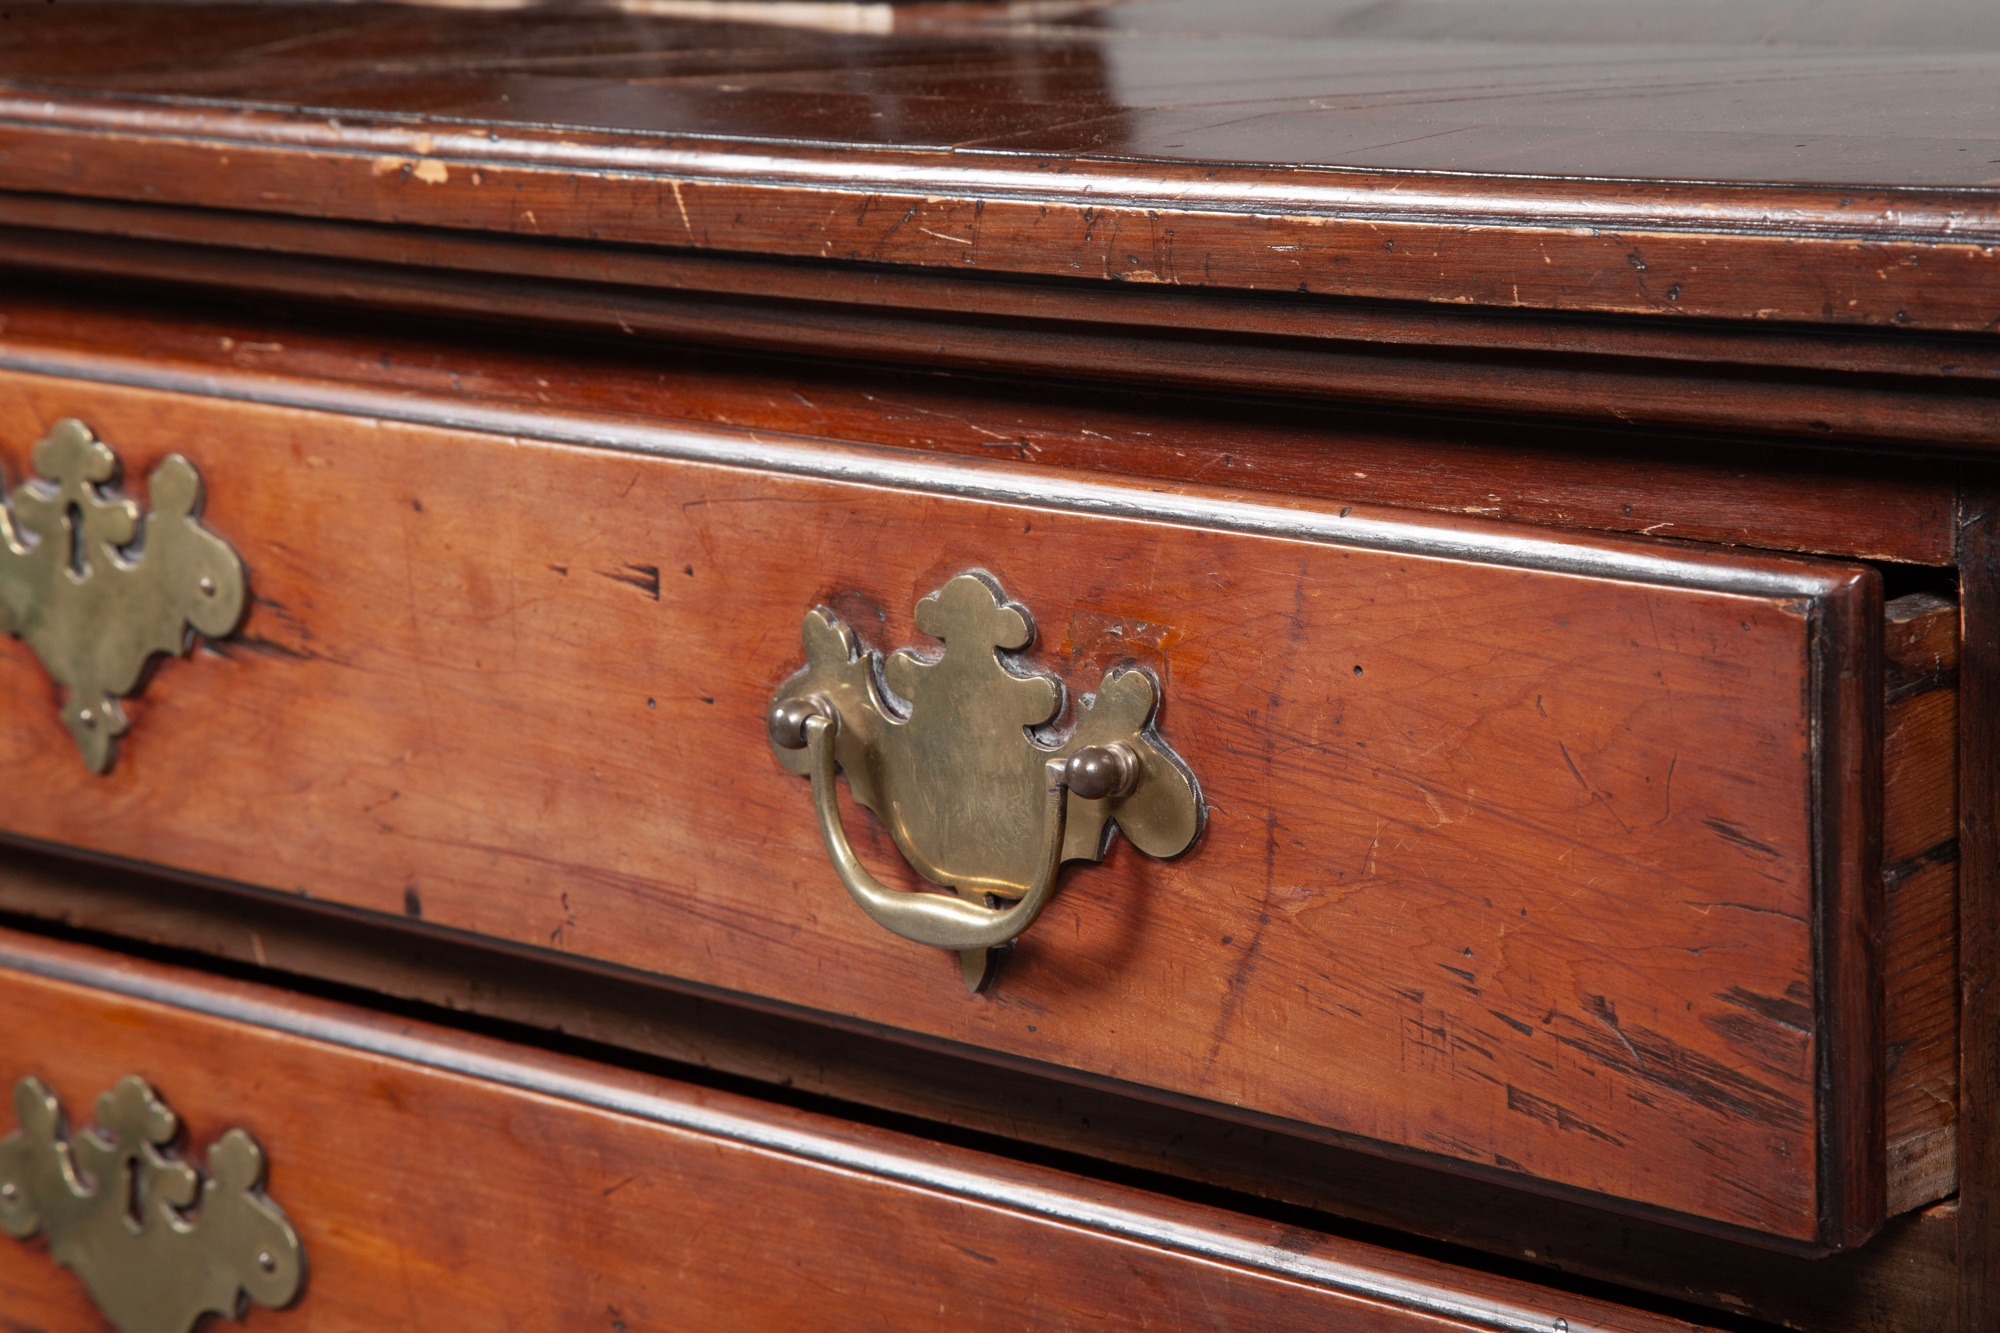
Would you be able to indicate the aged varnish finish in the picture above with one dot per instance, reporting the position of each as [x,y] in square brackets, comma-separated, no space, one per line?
[1537,457]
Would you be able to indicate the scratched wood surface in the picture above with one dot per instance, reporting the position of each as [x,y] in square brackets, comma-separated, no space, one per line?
[1504,867]
[440,1200]
[1756,162]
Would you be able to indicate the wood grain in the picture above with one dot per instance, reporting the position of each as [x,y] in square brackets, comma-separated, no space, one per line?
[1920,880]
[1513,868]
[465,1184]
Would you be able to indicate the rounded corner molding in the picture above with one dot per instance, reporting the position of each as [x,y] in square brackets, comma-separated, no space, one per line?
[98,589]
[156,1244]
[961,771]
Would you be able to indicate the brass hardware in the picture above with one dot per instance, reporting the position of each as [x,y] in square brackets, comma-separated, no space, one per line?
[974,801]
[96,590]
[155,1244]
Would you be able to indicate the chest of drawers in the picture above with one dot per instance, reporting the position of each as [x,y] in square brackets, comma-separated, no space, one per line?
[1431,666]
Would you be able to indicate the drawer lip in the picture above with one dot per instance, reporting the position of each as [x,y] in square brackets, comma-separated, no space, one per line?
[1015,1187]
[1654,561]
[1828,597]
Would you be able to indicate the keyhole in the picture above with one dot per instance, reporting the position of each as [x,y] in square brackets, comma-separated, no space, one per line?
[135,1203]
[78,565]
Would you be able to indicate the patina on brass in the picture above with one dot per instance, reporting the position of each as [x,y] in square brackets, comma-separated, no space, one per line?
[96,590]
[157,1246]
[975,801]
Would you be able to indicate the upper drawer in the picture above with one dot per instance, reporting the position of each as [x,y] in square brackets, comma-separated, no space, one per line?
[1537,855]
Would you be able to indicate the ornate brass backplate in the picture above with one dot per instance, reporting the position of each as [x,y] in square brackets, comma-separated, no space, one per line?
[157,1246]
[96,590]
[957,761]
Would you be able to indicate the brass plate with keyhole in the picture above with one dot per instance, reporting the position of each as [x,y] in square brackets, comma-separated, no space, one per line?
[99,590]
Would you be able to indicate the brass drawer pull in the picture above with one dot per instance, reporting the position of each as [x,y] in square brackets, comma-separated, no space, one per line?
[111,1203]
[974,802]
[97,590]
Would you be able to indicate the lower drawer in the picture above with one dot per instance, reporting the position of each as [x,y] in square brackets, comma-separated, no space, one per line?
[442,1181]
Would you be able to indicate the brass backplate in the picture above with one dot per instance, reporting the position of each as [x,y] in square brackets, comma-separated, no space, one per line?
[952,752]
[156,1244]
[97,590]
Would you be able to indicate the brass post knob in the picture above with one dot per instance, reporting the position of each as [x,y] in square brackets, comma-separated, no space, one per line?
[1098,772]
[788,718]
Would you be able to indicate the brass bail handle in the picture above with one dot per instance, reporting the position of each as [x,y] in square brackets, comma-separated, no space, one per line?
[960,756]
[1096,772]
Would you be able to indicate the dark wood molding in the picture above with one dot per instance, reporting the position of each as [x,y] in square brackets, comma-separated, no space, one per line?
[1891,390]
[1732,490]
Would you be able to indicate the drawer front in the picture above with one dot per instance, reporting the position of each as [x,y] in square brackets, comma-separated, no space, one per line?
[1540,857]
[436,1181]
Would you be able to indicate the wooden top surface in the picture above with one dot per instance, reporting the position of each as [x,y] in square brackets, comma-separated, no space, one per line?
[1789,132]
[1860,92]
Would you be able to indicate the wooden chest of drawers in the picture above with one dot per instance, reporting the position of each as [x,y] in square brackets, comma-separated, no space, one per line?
[1439,700]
